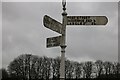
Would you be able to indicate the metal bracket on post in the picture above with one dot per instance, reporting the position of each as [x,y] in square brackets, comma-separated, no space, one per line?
[63,48]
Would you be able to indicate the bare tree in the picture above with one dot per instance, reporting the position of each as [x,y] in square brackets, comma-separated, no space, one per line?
[69,69]
[17,67]
[116,69]
[4,74]
[87,68]
[39,67]
[99,68]
[23,66]
[46,68]
[78,70]
[107,67]
[33,67]
[55,67]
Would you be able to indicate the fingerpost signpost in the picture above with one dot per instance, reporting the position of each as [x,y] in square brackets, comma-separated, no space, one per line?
[60,28]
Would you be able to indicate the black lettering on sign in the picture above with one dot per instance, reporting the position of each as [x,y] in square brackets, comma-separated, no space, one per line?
[80,20]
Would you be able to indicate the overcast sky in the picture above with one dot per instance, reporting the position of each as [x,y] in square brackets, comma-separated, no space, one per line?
[23,31]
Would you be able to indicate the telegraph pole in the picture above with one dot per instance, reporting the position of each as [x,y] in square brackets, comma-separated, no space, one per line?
[63,39]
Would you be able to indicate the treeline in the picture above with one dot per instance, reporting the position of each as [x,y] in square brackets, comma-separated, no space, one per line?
[32,67]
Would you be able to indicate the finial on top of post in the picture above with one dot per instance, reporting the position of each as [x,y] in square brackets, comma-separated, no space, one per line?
[64,4]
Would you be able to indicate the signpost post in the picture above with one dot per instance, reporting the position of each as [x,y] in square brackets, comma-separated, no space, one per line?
[61,28]
[63,44]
